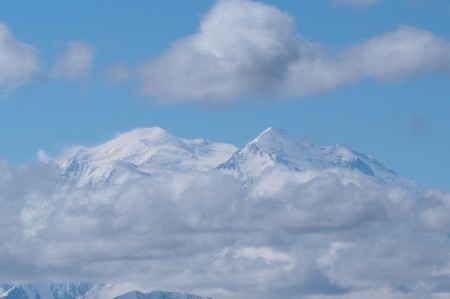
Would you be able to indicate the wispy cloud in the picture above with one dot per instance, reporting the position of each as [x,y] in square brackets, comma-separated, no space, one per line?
[417,125]
[246,48]
[314,234]
[358,3]
[74,63]
[18,60]
[117,73]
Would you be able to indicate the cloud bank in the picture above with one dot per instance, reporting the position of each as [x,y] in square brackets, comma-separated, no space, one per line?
[245,49]
[331,234]
[18,60]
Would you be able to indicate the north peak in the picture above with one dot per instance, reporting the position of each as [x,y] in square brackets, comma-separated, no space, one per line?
[272,134]
[153,133]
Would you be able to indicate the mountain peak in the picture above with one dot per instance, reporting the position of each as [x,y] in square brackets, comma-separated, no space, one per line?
[142,151]
[276,141]
[275,148]
[153,133]
[268,130]
[272,134]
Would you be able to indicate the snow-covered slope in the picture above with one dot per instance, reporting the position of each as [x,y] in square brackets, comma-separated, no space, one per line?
[142,152]
[274,147]
[81,291]
[48,291]
[158,295]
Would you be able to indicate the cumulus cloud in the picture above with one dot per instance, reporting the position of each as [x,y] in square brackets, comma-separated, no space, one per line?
[74,63]
[329,234]
[18,60]
[245,48]
[242,48]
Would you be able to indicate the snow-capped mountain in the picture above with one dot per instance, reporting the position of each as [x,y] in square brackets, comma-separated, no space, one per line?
[274,147]
[142,152]
[49,291]
[81,291]
[147,151]
[158,295]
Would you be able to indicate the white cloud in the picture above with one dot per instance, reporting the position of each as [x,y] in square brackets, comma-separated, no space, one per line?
[242,48]
[434,211]
[332,234]
[74,63]
[404,52]
[18,60]
[246,48]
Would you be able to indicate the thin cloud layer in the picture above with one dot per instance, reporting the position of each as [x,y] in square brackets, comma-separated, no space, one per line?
[332,234]
[246,48]
[18,60]
[117,73]
[74,63]
[358,3]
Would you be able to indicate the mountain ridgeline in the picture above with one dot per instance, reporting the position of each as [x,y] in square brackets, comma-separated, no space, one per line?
[80,291]
[147,151]
[158,295]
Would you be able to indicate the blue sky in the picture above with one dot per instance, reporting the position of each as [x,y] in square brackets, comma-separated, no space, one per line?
[373,75]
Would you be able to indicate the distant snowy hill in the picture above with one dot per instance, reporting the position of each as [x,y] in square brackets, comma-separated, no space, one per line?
[158,295]
[143,152]
[48,291]
[81,291]
[274,148]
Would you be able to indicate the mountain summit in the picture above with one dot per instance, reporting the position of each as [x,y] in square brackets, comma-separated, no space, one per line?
[142,152]
[275,148]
